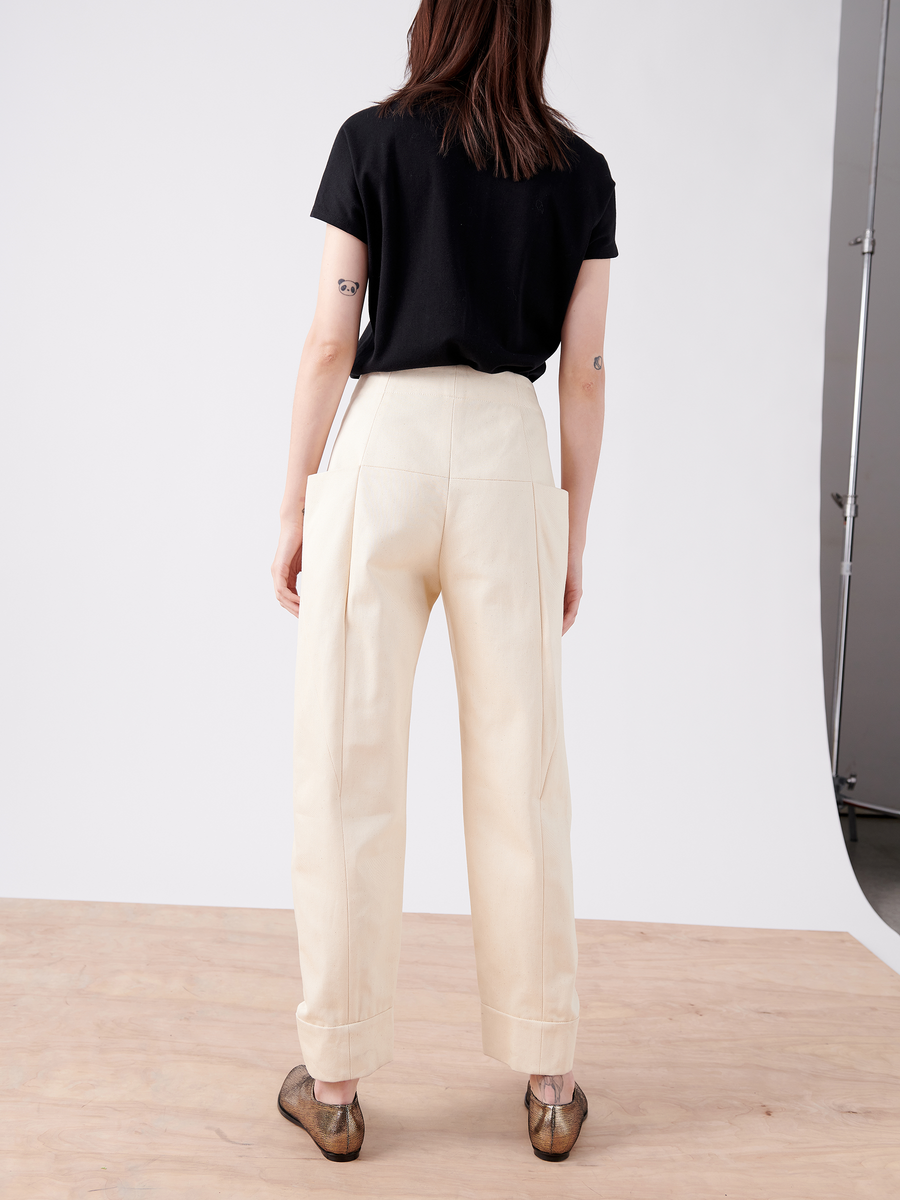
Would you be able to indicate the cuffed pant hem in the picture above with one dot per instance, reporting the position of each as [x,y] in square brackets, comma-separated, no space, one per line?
[337,1052]
[533,1047]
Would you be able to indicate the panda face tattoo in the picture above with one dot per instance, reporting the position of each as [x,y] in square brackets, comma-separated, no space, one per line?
[598,363]
[348,287]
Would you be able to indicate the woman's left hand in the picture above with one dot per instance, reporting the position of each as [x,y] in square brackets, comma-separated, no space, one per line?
[573,592]
[287,566]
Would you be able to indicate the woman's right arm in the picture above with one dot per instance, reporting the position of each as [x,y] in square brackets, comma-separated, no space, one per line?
[582,389]
[325,365]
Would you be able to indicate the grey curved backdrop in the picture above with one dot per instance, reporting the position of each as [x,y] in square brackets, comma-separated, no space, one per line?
[870,741]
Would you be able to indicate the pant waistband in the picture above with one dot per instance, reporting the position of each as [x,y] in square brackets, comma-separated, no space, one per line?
[458,382]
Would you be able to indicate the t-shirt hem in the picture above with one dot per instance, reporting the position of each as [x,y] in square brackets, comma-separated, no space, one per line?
[321,213]
[533,373]
[602,252]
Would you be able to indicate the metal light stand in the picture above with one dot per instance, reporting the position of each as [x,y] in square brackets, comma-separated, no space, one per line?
[849,502]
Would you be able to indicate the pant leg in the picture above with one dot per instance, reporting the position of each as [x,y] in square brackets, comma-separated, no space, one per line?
[369,581]
[503,568]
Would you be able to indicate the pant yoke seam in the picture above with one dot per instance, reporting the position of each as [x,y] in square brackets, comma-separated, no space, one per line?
[364,466]
[461,478]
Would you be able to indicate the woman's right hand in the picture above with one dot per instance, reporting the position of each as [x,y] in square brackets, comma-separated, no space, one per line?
[287,565]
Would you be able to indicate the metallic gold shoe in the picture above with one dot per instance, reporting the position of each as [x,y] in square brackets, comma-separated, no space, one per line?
[554,1128]
[337,1129]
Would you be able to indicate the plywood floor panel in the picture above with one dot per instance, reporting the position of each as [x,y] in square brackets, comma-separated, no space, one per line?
[143,1046]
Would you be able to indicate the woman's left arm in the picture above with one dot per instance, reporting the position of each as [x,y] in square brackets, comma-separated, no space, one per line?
[325,365]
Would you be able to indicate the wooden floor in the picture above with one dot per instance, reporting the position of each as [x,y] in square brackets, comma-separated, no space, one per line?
[143,1047]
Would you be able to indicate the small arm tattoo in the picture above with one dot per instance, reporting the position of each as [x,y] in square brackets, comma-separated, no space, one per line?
[348,287]
[598,363]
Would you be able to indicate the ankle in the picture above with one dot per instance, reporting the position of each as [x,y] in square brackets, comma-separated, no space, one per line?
[341,1092]
[553,1089]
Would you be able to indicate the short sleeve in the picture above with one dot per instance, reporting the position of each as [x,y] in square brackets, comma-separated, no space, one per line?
[338,201]
[603,235]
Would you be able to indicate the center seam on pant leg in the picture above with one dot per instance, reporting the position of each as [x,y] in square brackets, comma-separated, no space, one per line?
[343,727]
[537,559]
[344,710]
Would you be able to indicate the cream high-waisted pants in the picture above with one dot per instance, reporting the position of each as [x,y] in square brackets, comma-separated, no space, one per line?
[439,483]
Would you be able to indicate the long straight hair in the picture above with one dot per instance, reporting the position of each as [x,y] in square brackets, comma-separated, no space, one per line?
[480,63]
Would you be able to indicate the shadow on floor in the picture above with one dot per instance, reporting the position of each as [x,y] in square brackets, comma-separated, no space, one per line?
[875,858]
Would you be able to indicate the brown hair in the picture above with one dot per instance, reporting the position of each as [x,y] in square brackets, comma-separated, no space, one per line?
[481,64]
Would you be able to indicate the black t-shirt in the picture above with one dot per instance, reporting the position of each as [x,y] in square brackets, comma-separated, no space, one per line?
[464,267]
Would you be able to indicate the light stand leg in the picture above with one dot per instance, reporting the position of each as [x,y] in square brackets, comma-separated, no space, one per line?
[851,822]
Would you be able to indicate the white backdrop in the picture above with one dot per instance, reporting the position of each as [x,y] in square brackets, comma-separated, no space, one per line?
[160,276]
